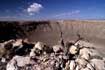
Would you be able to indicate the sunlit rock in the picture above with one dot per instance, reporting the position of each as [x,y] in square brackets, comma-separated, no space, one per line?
[21,61]
[81,62]
[3,60]
[99,64]
[12,65]
[72,65]
[67,65]
[85,69]
[57,48]
[18,42]
[73,49]
[85,53]
[39,45]
[77,68]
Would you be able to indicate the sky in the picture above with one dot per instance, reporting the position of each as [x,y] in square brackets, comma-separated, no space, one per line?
[51,9]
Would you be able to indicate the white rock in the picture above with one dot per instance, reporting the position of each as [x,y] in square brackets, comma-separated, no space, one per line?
[39,45]
[21,61]
[60,56]
[99,64]
[10,41]
[77,68]
[72,65]
[67,65]
[85,53]
[32,54]
[81,62]
[85,56]
[104,58]
[12,65]
[73,49]
[3,60]
[18,42]
[57,48]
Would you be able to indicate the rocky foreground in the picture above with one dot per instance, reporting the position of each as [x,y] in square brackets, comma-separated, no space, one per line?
[20,54]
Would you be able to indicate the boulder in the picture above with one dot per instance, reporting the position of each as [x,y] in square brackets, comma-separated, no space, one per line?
[12,65]
[21,61]
[57,48]
[39,45]
[85,53]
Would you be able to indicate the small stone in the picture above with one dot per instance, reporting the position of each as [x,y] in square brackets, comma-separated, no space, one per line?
[3,60]
[32,53]
[73,49]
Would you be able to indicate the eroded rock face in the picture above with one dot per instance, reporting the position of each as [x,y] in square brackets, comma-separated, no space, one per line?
[77,57]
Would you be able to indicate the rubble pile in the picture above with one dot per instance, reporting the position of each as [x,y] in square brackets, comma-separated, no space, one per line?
[20,54]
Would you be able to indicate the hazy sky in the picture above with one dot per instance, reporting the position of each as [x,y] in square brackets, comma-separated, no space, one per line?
[52,9]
